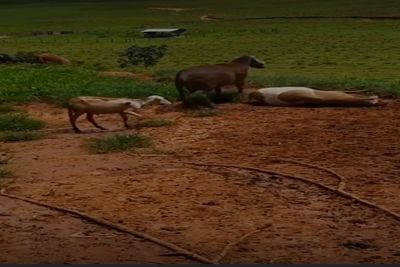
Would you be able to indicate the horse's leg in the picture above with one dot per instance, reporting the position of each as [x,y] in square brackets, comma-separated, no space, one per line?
[73,116]
[184,90]
[209,103]
[90,118]
[240,85]
[182,93]
[124,117]
[338,98]
[240,82]
[218,92]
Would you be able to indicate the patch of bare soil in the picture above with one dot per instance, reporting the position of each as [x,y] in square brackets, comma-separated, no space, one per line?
[204,208]
[126,74]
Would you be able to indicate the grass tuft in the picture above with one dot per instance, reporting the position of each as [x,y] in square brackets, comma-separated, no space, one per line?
[4,159]
[156,123]
[4,173]
[20,136]
[204,113]
[6,108]
[117,143]
[19,122]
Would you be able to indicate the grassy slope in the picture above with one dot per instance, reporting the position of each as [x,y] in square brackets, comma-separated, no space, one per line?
[328,53]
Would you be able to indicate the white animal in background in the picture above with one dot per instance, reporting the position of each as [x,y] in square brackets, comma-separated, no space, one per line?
[304,96]
[92,105]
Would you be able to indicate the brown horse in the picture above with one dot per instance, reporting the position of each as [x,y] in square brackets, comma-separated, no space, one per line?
[47,57]
[214,77]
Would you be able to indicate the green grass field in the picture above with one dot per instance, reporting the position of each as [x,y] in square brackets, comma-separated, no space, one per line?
[324,53]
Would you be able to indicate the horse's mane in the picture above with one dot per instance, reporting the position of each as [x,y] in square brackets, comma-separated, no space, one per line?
[242,59]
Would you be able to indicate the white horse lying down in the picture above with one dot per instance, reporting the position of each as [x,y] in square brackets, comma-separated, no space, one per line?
[105,105]
[303,96]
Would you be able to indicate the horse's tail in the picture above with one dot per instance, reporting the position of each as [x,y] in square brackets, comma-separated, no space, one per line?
[367,101]
[180,86]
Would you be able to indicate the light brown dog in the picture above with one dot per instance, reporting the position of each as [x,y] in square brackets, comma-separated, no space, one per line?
[92,105]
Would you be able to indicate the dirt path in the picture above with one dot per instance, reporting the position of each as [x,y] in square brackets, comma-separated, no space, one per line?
[203,209]
[32,234]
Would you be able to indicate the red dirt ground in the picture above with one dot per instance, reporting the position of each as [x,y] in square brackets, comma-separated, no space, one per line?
[204,208]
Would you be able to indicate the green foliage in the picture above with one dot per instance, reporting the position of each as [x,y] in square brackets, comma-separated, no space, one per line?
[19,122]
[20,136]
[58,84]
[146,56]
[166,75]
[26,57]
[117,143]
[19,57]
[155,123]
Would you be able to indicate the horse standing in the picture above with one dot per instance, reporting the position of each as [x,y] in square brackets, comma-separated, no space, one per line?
[214,77]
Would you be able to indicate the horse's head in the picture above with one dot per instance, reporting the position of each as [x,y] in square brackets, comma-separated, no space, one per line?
[250,61]
[256,96]
[256,63]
